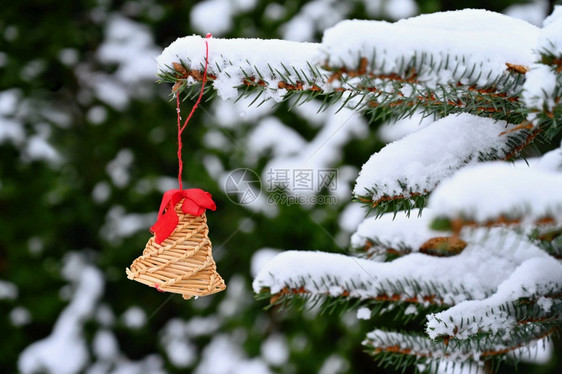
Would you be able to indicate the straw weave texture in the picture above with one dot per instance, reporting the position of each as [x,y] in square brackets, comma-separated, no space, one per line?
[182,263]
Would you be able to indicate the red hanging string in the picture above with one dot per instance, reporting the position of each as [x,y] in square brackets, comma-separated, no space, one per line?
[180,127]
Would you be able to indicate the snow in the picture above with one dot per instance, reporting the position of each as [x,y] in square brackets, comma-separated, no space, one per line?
[65,350]
[398,9]
[101,192]
[212,16]
[120,225]
[261,257]
[422,159]
[540,87]
[129,48]
[532,12]
[351,216]
[538,352]
[533,278]
[314,16]
[8,290]
[20,316]
[488,191]
[486,44]
[411,310]
[274,350]
[334,364]
[11,127]
[237,297]
[105,345]
[37,148]
[202,326]
[216,16]
[434,36]
[267,60]
[551,33]
[270,134]
[478,271]
[96,115]
[392,131]
[11,130]
[105,316]
[550,161]
[400,231]
[545,303]
[118,168]
[232,359]
[179,349]
[69,56]
[323,151]
[363,313]
[131,45]
[134,317]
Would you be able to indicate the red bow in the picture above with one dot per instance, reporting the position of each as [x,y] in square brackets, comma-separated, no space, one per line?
[195,201]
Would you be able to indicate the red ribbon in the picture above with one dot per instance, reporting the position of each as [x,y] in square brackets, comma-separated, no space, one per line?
[195,201]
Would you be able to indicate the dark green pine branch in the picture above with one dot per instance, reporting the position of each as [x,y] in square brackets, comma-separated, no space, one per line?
[443,246]
[399,293]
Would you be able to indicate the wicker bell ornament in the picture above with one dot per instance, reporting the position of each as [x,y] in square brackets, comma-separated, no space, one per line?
[178,257]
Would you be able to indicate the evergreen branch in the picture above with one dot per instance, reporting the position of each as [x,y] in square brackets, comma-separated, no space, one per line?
[496,100]
[514,220]
[393,204]
[545,101]
[528,300]
[527,313]
[345,301]
[373,247]
[379,201]
[549,239]
[443,246]
[519,208]
[402,350]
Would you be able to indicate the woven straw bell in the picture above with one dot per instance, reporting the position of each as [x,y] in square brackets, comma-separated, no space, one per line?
[182,263]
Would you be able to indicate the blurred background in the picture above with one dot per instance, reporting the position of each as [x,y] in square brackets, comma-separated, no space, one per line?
[88,146]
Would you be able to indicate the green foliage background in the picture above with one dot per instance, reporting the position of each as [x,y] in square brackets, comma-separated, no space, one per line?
[47,210]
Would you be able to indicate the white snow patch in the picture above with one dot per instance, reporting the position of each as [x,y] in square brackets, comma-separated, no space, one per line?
[486,44]
[398,231]
[275,350]
[534,277]
[422,159]
[261,257]
[20,316]
[264,59]
[65,350]
[363,313]
[120,225]
[478,271]
[134,317]
[232,358]
[392,131]
[8,290]
[180,351]
[485,191]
